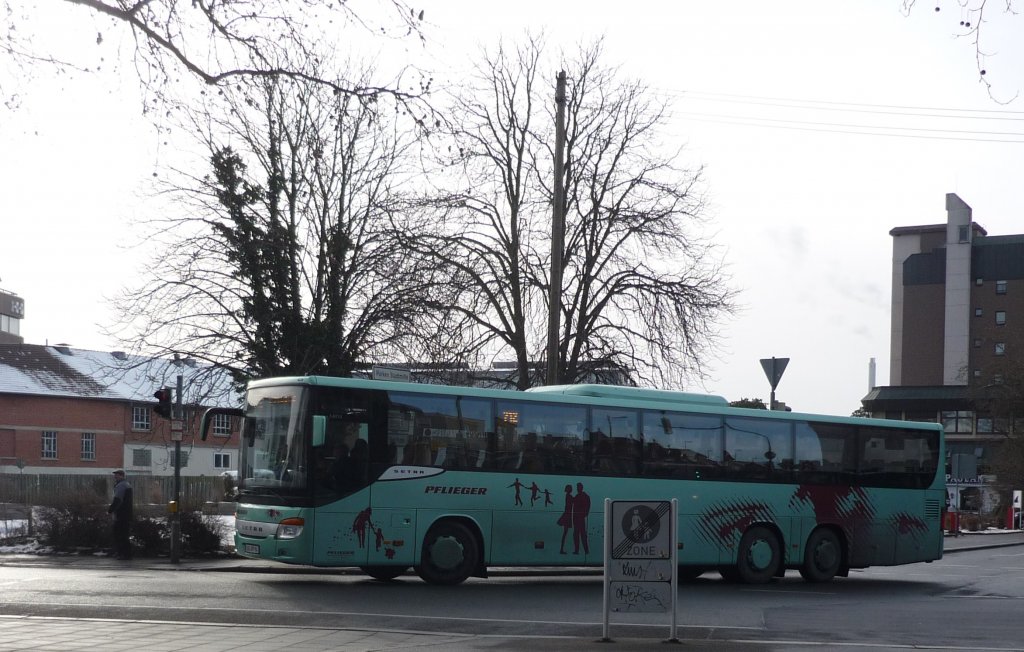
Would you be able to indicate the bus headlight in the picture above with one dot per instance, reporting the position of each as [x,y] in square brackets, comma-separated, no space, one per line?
[290,528]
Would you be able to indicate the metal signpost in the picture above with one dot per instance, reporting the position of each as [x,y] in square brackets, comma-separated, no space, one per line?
[640,543]
[774,368]
[1017,521]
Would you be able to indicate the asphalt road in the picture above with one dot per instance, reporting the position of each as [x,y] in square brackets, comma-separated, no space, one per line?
[970,600]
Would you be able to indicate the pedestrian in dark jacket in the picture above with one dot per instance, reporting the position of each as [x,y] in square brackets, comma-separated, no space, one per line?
[121,509]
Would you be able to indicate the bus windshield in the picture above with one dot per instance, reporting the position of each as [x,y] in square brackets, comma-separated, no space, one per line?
[273,454]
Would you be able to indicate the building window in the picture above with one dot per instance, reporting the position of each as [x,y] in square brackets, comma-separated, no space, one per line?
[1000,348]
[1000,287]
[978,312]
[10,324]
[977,342]
[142,457]
[222,425]
[222,460]
[964,233]
[985,424]
[89,446]
[997,379]
[979,281]
[49,451]
[958,421]
[927,417]
[1000,317]
[141,419]
[977,373]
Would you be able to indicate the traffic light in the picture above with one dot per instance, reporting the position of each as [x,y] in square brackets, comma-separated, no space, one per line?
[163,406]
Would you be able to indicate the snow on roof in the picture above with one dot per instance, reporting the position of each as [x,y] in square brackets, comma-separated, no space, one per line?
[61,371]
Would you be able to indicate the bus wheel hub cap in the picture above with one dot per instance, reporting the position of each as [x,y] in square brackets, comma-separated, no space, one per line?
[825,555]
[446,553]
[760,555]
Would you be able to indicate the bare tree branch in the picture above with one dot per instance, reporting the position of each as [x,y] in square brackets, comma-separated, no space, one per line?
[220,42]
[972,19]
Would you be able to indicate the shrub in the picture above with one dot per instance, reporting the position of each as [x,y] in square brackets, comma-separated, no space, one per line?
[200,533]
[150,535]
[76,522]
[80,523]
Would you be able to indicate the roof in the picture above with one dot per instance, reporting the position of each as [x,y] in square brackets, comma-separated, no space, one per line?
[59,371]
[918,396]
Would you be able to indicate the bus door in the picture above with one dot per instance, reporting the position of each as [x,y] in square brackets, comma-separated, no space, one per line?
[344,522]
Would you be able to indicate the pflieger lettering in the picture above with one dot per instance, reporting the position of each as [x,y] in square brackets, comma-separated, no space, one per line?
[437,489]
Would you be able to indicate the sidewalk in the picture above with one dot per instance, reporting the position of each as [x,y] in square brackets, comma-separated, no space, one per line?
[982,540]
[44,633]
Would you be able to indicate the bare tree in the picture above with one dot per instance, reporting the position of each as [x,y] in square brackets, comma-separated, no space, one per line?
[217,42]
[485,225]
[1002,401]
[641,291]
[286,263]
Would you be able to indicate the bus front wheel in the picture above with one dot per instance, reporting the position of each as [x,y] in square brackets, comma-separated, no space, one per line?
[760,554]
[450,554]
[822,557]
[384,573]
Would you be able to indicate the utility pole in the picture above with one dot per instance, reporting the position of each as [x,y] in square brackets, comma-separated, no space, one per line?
[177,428]
[557,234]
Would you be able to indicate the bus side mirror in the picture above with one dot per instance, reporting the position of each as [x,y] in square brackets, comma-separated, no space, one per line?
[204,424]
[319,430]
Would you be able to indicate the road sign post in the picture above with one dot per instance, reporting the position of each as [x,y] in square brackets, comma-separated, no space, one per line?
[774,368]
[1017,519]
[640,543]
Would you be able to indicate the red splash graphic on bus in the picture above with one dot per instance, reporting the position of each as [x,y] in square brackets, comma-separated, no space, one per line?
[726,523]
[835,503]
[848,507]
[908,523]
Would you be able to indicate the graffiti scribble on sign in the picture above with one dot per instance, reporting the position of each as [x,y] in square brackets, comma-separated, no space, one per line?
[636,570]
[633,597]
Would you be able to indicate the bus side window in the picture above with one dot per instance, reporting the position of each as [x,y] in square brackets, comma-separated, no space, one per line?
[807,457]
[680,445]
[837,443]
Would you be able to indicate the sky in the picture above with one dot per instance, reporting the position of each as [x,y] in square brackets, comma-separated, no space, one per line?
[820,127]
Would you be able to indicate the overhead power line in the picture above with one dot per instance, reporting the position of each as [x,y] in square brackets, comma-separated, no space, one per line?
[937,123]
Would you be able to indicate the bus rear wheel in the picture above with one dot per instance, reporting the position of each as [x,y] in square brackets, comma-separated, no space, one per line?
[384,572]
[822,556]
[760,554]
[450,554]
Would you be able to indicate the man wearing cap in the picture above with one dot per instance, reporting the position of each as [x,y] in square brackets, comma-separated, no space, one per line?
[121,508]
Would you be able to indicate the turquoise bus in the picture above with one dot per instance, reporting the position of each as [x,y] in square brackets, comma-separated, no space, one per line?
[449,481]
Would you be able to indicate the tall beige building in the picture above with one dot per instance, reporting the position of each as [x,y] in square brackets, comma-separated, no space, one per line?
[957,326]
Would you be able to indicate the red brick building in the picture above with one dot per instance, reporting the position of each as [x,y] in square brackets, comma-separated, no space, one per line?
[66,410]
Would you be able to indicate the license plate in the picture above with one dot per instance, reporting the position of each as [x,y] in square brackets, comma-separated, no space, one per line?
[252,549]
